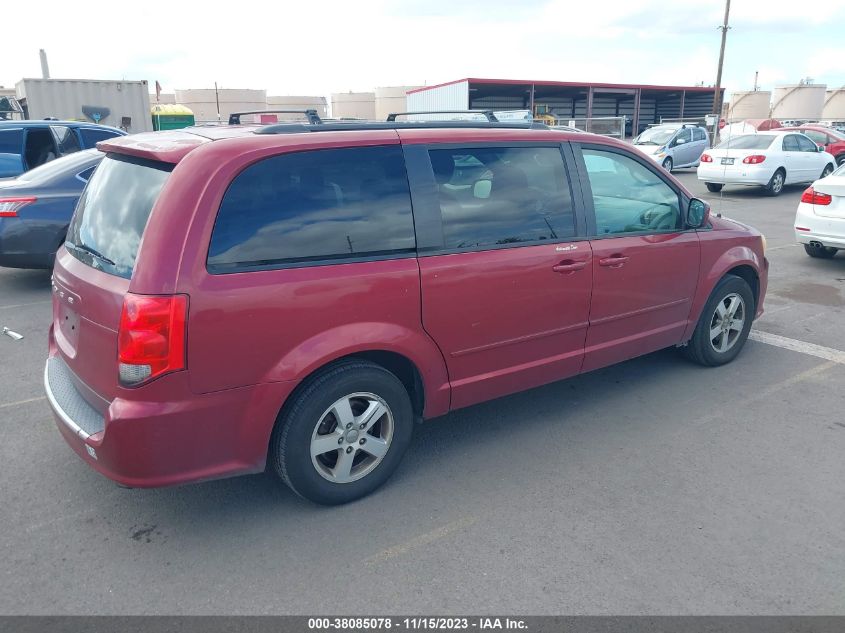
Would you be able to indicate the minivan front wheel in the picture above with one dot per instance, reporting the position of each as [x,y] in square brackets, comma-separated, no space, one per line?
[724,323]
[343,434]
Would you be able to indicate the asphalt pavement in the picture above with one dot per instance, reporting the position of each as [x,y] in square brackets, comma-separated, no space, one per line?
[654,487]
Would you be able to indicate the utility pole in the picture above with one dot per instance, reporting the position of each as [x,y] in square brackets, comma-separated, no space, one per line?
[217,99]
[717,95]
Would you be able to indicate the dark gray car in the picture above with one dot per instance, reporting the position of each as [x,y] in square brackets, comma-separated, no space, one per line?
[36,207]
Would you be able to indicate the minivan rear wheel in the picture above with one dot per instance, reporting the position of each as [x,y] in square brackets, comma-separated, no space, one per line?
[724,323]
[343,433]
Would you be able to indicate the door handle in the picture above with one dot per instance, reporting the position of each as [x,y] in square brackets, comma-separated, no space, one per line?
[568,266]
[614,261]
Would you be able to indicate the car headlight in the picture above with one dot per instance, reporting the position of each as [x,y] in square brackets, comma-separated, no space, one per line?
[763,241]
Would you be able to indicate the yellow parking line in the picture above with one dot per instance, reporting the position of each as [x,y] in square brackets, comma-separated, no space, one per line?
[23,305]
[419,541]
[19,402]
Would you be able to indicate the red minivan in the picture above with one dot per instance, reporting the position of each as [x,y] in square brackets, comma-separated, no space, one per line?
[294,297]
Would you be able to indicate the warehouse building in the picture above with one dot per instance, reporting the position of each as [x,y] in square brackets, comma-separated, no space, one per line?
[641,104]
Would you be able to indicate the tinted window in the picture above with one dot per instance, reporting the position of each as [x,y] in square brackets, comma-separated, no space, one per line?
[66,139]
[817,137]
[747,141]
[113,212]
[628,197]
[790,143]
[86,175]
[699,134]
[92,136]
[502,195]
[11,141]
[310,206]
[686,135]
[806,145]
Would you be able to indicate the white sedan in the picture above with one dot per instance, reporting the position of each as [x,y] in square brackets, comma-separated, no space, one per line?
[770,159]
[820,219]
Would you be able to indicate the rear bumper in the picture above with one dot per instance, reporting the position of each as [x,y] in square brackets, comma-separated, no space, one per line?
[170,440]
[827,231]
[735,174]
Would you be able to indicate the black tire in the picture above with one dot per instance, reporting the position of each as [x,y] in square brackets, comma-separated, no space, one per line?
[821,252]
[700,348]
[715,187]
[840,160]
[290,444]
[827,171]
[668,164]
[775,186]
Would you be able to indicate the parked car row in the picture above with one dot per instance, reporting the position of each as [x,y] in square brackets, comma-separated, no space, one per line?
[25,145]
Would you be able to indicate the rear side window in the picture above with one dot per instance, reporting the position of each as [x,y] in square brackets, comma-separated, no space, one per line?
[66,138]
[11,141]
[790,143]
[90,137]
[314,207]
[112,213]
[699,134]
[494,196]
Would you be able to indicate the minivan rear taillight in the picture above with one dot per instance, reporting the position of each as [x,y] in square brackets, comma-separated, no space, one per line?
[9,207]
[151,337]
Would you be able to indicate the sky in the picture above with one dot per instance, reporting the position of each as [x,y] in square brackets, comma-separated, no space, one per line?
[316,48]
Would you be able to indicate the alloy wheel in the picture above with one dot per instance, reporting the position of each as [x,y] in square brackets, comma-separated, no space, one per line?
[352,437]
[727,322]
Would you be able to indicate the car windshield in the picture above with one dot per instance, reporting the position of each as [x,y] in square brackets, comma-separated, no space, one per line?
[655,136]
[61,166]
[836,134]
[747,141]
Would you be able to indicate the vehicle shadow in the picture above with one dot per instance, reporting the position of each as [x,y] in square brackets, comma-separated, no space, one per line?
[437,444]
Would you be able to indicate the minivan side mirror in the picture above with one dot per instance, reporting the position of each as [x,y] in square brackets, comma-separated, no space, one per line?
[698,212]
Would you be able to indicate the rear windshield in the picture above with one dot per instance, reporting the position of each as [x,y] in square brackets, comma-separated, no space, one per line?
[112,213]
[747,141]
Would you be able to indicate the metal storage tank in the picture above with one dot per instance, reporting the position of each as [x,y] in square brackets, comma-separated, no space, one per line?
[391,99]
[798,101]
[834,105]
[749,104]
[202,102]
[117,103]
[354,105]
[298,103]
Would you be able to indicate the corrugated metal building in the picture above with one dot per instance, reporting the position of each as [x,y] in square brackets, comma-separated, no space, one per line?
[119,103]
[643,104]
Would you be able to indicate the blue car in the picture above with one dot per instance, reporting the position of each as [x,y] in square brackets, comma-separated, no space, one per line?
[25,145]
[36,207]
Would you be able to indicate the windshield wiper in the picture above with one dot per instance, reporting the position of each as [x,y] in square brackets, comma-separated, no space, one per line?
[92,251]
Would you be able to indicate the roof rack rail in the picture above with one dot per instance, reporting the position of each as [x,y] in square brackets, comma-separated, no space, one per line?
[313,117]
[297,128]
[491,118]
